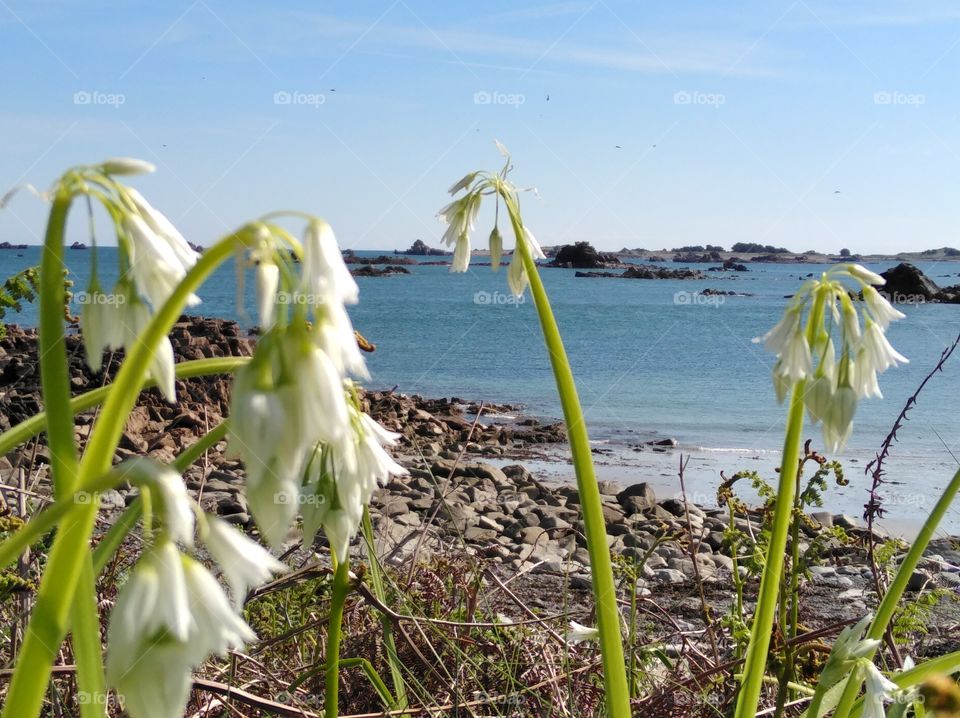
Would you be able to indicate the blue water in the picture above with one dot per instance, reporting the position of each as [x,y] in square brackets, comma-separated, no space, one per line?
[645,365]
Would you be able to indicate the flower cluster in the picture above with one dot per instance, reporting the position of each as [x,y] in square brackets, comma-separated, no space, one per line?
[461,217]
[295,419]
[172,614]
[154,258]
[838,352]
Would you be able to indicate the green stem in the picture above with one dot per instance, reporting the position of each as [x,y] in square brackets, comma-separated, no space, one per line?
[386,623]
[54,371]
[55,383]
[604,589]
[37,423]
[763,617]
[49,621]
[891,599]
[341,587]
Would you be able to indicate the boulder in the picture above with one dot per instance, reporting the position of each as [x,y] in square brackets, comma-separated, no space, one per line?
[906,283]
[637,498]
[582,255]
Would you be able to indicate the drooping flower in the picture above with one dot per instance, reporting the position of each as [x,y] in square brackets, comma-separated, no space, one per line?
[125,166]
[155,265]
[460,216]
[134,319]
[175,507]
[837,356]
[579,633]
[877,689]
[244,563]
[170,616]
[341,481]
[101,324]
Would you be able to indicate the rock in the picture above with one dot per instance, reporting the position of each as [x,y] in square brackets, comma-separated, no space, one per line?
[824,518]
[637,498]
[582,255]
[919,580]
[906,283]
[419,248]
[532,535]
[669,575]
[846,522]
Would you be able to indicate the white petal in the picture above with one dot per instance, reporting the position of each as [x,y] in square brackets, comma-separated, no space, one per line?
[126,166]
[245,564]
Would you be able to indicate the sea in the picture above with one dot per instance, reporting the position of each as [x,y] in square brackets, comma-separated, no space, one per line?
[653,359]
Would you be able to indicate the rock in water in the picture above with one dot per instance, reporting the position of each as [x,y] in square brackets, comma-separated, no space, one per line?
[906,283]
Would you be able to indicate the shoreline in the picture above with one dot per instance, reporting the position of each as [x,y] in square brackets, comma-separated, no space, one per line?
[491,490]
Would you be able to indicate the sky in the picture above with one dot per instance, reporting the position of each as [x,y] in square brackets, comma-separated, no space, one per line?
[810,125]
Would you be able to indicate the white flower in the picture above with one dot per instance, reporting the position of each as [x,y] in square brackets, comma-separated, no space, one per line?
[176,506]
[101,323]
[880,355]
[579,633]
[136,317]
[342,480]
[838,422]
[245,564]
[880,309]
[878,688]
[155,265]
[797,360]
[154,602]
[323,270]
[463,183]
[461,215]
[516,275]
[156,682]
[832,394]
[267,283]
[160,631]
[185,255]
[864,275]
[535,250]
[851,644]
[125,166]
[496,248]
[461,254]
[217,628]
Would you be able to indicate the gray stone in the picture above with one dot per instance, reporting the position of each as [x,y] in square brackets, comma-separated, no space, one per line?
[637,498]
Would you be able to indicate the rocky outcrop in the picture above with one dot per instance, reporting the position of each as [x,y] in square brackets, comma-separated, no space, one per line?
[8,245]
[906,280]
[694,258]
[78,245]
[350,257]
[419,248]
[583,255]
[368,270]
[730,265]
[643,271]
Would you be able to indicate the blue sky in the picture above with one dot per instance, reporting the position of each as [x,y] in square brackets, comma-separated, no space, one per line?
[667,124]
